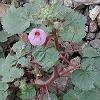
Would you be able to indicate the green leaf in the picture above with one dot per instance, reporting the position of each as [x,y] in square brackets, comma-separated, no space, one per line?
[3,86]
[29,9]
[4,36]
[74,29]
[21,48]
[28,92]
[3,95]
[23,61]
[97,78]
[71,95]
[8,71]
[10,60]
[46,57]
[1,52]
[83,79]
[50,97]
[15,22]
[97,63]
[1,61]
[87,64]
[90,95]
[90,52]
[9,74]
[7,63]
[3,91]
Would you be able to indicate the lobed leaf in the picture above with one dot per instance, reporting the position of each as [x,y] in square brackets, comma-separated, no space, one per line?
[46,57]
[50,96]
[74,27]
[83,79]
[28,92]
[90,52]
[3,91]
[90,95]
[71,95]
[14,22]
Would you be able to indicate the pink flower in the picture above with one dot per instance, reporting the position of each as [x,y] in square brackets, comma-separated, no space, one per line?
[37,37]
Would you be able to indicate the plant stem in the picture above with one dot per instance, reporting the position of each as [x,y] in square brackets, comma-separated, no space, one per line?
[54,32]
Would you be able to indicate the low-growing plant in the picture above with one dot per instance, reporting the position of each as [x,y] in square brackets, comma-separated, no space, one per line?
[49,62]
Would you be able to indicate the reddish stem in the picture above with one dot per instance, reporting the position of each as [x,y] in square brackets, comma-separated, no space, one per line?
[54,32]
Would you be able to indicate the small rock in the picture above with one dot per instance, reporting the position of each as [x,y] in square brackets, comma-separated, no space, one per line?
[86,29]
[98,19]
[95,43]
[98,35]
[3,9]
[90,36]
[76,60]
[81,1]
[94,12]
[93,27]
[87,2]
[68,3]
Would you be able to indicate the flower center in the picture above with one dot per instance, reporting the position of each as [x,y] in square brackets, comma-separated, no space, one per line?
[37,33]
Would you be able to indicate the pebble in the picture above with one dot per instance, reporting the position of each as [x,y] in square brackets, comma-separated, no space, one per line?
[3,9]
[90,36]
[87,2]
[95,43]
[98,19]
[93,27]
[98,35]
[94,12]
